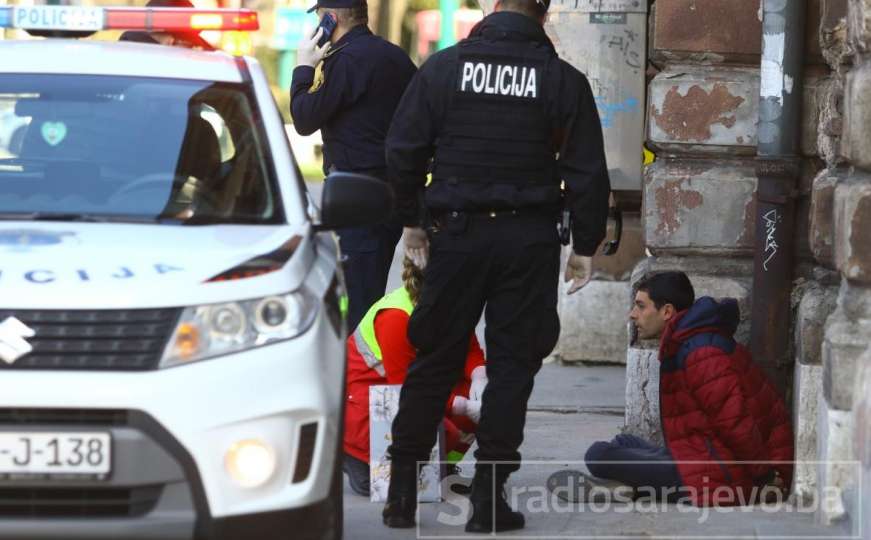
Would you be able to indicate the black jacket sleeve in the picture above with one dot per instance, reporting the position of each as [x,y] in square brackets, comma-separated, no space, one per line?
[582,164]
[410,142]
[312,107]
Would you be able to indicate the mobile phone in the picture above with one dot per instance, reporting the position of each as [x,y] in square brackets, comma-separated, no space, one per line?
[328,23]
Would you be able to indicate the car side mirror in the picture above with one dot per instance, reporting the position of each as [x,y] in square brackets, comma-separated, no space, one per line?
[354,200]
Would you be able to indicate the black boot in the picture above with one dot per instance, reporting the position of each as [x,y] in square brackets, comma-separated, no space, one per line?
[401,495]
[490,510]
[358,474]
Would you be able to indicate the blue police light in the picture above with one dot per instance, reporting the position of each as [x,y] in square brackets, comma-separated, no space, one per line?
[5,17]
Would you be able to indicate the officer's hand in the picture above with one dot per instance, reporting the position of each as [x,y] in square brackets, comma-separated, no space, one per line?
[479,383]
[579,270]
[309,54]
[416,245]
[468,408]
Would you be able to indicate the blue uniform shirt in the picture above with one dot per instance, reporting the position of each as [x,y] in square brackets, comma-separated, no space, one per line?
[351,98]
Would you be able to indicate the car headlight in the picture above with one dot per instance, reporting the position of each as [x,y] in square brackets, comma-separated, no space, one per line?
[218,329]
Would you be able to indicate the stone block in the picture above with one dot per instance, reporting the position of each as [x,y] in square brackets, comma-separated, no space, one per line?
[704,109]
[845,341]
[830,95]
[593,323]
[816,83]
[694,206]
[862,438]
[815,307]
[618,267]
[854,300]
[859,25]
[837,468]
[822,205]
[833,32]
[852,228]
[714,32]
[710,31]
[856,140]
[862,413]
[642,394]
[808,388]
[801,237]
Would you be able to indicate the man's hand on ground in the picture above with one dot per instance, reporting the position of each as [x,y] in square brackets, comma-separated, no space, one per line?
[309,54]
[579,270]
[416,246]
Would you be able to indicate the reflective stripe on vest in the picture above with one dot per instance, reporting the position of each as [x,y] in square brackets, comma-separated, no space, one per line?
[364,336]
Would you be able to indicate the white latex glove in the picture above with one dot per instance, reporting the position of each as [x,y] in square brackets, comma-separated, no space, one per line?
[308,53]
[579,270]
[12,344]
[416,246]
[479,382]
[468,408]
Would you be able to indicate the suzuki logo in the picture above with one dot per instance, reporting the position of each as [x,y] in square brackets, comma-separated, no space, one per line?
[12,343]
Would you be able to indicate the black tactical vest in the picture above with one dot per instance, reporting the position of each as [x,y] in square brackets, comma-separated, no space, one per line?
[497,129]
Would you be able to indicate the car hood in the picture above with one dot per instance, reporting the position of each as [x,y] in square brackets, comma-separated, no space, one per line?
[104,266]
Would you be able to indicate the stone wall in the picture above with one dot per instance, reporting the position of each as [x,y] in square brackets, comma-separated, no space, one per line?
[840,238]
[699,209]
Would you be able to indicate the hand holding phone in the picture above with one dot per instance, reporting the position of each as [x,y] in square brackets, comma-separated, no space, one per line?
[313,49]
[328,23]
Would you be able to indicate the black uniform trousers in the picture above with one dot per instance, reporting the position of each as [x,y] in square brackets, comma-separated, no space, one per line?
[510,265]
[367,253]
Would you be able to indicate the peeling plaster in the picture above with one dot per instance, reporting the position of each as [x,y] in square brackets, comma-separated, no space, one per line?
[690,117]
[670,200]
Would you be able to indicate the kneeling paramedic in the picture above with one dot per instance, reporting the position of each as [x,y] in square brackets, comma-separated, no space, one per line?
[505,122]
[379,353]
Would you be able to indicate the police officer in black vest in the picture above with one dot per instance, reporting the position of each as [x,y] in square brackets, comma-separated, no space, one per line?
[505,122]
[349,89]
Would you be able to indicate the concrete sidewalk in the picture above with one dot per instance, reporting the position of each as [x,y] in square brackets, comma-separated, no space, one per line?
[571,407]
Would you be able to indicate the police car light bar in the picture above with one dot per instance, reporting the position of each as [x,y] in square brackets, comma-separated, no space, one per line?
[93,19]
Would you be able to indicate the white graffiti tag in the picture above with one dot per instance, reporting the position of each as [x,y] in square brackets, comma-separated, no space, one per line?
[772,218]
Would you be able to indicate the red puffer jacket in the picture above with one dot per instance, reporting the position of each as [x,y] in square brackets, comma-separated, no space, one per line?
[718,409]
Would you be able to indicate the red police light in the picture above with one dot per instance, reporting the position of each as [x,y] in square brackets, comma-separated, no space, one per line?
[181,19]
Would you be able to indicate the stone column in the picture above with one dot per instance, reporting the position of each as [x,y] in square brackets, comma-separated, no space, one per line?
[841,237]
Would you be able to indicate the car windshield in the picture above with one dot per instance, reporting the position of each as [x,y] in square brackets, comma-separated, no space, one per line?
[137,149]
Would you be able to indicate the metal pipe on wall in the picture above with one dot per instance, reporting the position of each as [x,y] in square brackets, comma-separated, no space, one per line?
[778,170]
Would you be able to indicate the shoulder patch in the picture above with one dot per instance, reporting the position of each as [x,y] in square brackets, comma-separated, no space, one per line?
[319,79]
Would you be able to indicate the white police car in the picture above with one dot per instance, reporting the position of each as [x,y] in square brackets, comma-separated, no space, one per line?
[171,327]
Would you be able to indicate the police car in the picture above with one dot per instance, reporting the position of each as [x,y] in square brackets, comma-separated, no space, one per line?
[171,307]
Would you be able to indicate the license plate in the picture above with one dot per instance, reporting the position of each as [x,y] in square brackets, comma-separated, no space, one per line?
[74,18]
[31,453]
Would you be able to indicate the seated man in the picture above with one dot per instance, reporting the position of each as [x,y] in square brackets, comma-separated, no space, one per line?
[379,353]
[726,429]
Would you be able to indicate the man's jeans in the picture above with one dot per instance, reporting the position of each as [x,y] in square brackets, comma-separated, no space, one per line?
[634,462]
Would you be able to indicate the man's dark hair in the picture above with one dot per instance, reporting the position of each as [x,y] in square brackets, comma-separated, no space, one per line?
[353,16]
[531,8]
[669,288]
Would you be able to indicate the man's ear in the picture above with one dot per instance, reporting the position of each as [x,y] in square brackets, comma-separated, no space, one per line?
[668,312]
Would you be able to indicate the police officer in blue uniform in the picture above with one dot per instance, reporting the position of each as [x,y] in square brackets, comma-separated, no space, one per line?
[349,89]
[505,122]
